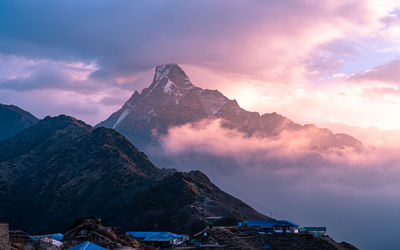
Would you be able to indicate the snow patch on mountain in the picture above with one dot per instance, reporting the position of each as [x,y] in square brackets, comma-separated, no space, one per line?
[169,87]
[161,72]
[122,117]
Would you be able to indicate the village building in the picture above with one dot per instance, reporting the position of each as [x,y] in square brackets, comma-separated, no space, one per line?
[272,226]
[160,239]
[47,241]
[316,231]
[284,226]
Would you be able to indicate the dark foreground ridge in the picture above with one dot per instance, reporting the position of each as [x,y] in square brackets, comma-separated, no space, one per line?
[62,168]
[13,120]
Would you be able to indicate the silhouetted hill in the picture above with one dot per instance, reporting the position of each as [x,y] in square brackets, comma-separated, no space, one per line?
[62,168]
[13,120]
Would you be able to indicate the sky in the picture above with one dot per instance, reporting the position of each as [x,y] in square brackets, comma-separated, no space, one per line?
[332,63]
[324,62]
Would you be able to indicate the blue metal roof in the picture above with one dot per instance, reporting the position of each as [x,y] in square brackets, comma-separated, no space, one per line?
[285,223]
[57,236]
[261,223]
[87,246]
[155,236]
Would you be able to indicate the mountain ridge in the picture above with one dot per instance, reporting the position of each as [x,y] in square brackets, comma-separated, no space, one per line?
[173,100]
[13,120]
[62,168]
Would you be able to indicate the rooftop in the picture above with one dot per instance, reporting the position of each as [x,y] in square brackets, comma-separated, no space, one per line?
[87,246]
[155,236]
[56,236]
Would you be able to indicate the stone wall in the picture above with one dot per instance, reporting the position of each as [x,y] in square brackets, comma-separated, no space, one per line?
[4,237]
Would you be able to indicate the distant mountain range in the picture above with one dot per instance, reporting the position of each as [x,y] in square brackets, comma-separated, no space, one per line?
[173,100]
[13,120]
[61,168]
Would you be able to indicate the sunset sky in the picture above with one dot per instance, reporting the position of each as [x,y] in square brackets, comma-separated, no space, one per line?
[334,63]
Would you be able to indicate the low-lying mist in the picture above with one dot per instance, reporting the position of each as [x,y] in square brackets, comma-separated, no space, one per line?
[352,192]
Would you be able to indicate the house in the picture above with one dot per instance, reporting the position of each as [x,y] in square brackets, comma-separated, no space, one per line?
[316,231]
[259,223]
[87,245]
[284,226]
[273,226]
[48,240]
[263,226]
[57,237]
[162,239]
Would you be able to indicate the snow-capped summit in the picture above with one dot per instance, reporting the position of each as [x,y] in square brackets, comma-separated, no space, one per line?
[171,78]
[173,100]
[176,72]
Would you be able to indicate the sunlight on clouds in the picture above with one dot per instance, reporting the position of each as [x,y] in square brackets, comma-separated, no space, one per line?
[361,103]
[291,57]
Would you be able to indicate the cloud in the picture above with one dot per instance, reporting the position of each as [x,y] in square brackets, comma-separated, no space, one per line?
[389,73]
[112,100]
[209,137]
[330,57]
[290,148]
[53,75]
[286,178]
[333,100]
[41,103]
[128,37]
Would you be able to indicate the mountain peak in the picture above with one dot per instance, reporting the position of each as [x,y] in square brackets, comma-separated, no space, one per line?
[13,120]
[166,67]
[163,70]
[172,100]
[63,121]
[172,73]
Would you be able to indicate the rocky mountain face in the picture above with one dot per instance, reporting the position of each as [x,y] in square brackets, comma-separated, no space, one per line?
[172,99]
[13,120]
[61,168]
